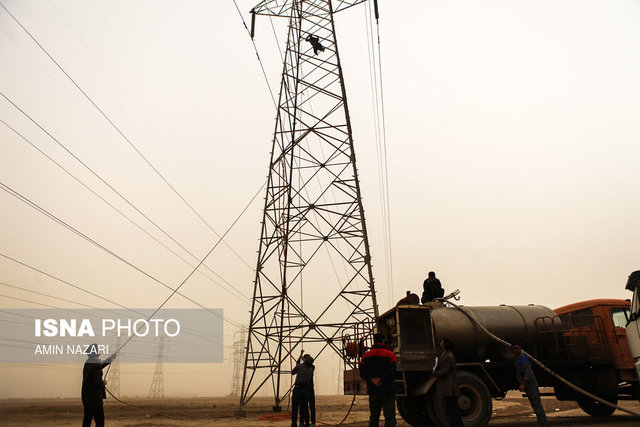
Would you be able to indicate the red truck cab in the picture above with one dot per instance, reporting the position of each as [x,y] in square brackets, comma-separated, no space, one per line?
[608,319]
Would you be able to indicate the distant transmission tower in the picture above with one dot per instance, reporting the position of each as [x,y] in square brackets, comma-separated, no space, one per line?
[313,228]
[114,375]
[157,384]
[238,351]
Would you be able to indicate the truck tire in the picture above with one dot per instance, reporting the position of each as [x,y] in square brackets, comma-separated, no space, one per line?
[597,409]
[474,402]
[413,409]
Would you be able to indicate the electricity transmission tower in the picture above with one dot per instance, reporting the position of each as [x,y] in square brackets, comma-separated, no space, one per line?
[236,359]
[313,228]
[114,380]
[157,383]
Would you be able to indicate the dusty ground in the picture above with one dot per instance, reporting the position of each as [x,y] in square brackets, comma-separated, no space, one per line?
[512,411]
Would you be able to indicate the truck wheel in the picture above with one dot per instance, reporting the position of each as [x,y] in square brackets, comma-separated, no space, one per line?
[474,402]
[413,409]
[597,409]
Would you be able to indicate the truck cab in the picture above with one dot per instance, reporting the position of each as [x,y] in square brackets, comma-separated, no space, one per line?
[608,317]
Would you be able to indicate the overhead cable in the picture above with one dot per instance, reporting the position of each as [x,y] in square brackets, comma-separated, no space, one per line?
[199,335]
[124,92]
[174,190]
[105,183]
[64,282]
[46,295]
[386,156]
[377,93]
[51,216]
[255,48]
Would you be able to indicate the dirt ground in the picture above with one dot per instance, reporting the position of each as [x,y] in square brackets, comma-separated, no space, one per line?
[220,411]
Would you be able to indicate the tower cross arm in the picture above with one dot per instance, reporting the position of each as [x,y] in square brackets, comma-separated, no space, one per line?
[284,8]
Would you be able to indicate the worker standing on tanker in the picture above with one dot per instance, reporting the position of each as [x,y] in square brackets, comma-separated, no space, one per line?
[93,387]
[378,368]
[300,395]
[447,386]
[432,288]
[528,383]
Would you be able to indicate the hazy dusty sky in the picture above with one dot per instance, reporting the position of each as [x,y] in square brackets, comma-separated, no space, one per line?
[513,132]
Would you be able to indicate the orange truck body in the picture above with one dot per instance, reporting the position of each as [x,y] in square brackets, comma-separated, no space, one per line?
[608,336]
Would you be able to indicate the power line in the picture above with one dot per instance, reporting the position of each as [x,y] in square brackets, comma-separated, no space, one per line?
[255,48]
[241,296]
[175,153]
[41,304]
[46,295]
[175,291]
[198,334]
[377,94]
[108,185]
[31,302]
[74,286]
[16,323]
[66,282]
[51,216]
[79,233]
[386,163]
[175,191]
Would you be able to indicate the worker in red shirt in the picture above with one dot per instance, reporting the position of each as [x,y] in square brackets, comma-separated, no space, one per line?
[378,369]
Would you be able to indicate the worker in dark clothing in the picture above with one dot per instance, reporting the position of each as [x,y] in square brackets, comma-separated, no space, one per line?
[311,395]
[300,396]
[378,369]
[410,299]
[93,387]
[528,383]
[315,43]
[447,385]
[432,288]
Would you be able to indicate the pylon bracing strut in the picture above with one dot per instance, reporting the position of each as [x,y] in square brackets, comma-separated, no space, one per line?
[314,282]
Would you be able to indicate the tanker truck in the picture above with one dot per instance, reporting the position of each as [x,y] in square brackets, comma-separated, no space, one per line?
[574,345]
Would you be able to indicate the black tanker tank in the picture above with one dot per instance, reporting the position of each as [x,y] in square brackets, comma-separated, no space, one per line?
[416,330]
[511,323]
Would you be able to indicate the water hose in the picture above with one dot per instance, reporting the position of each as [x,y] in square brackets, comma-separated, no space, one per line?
[472,317]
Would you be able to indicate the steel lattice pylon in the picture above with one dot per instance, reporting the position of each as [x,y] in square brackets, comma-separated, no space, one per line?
[157,383]
[313,227]
[237,359]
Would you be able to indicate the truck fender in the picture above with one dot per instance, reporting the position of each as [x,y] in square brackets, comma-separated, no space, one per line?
[424,387]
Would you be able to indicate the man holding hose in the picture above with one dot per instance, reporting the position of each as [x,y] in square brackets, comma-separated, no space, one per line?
[528,383]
